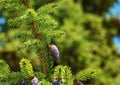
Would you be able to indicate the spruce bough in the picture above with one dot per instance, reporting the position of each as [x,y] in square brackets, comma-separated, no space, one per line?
[37,31]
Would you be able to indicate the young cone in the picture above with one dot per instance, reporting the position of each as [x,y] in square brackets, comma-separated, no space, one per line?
[56,82]
[35,81]
[54,52]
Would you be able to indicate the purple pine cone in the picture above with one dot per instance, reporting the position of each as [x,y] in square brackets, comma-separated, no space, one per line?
[80,83]
[77,82]
[56,82]
[54,52]
[35,81]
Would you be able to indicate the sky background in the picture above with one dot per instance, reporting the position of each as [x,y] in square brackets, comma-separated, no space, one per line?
[113,11]
[2,22]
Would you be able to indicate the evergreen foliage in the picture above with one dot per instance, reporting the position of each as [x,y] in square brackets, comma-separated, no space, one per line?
[29,32]
[88,39]
[26,67]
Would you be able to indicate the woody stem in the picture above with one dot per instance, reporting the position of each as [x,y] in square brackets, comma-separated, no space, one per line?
[25,2]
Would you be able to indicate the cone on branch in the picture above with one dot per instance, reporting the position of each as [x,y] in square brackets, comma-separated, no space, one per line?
[54,52]
[34,81]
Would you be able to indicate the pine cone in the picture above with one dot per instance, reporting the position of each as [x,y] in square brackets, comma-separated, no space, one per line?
[56,82]
[54,52]
[35,81]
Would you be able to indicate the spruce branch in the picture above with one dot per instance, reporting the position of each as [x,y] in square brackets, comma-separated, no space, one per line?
[86,74]
[64,74]
[36,37]
[26,67]
[66,77]
[42,61]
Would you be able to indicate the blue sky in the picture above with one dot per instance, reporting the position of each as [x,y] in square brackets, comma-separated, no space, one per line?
[116,40]
[114,10]
[2,22]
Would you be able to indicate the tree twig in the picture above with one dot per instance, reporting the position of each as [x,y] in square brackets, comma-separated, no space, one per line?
[36,37]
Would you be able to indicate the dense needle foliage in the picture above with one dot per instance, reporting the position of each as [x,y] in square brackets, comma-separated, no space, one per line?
[79,29]
[25,55]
